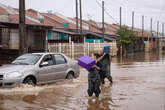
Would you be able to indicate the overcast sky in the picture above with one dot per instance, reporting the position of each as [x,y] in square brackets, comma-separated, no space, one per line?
[148,8]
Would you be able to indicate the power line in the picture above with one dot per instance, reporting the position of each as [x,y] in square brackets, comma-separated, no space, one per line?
[106,12]
[149,13]
[138,13]
[161,12]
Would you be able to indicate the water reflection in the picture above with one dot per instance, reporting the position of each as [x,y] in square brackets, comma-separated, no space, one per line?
[96,104]
[141,57]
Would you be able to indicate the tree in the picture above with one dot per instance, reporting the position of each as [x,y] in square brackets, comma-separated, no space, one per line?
[127,38]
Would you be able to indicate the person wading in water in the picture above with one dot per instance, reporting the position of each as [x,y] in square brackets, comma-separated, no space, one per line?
[105,59]
[94,78]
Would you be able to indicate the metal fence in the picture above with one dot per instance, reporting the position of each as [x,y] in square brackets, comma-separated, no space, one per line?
[76,50]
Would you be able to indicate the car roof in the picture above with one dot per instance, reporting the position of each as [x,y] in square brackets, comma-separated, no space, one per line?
[45,53]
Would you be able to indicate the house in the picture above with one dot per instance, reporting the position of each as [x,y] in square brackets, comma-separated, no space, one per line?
[36,31]
[95,31]
[9,33]
[64,29]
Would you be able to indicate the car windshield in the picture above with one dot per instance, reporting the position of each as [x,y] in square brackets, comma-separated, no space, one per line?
[27,59]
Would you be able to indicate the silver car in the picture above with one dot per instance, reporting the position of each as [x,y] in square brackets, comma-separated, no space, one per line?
[38,68]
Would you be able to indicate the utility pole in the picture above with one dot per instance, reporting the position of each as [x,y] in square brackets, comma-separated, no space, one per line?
[157,28]
[120,16]
[161,39]
[80,16]
[22,28]
[151,26]
[162,29]
[132,21]
[103,17]
[142,27]
[77,16]
[121,47]
[157,34]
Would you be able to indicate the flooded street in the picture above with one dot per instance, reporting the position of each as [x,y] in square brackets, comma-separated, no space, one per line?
[139,84]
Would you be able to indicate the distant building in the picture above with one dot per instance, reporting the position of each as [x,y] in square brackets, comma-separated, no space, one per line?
[9,32]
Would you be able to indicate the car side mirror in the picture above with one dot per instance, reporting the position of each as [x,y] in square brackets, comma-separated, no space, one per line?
[44,64]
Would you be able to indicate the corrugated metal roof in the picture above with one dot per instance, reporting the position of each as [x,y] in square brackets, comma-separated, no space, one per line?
[15,18]
[71,21]
[63,31]
[10,24]
[110,38]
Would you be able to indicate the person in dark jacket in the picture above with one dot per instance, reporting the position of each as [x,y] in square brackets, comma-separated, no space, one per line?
[99,64]
[105,59]
[94,79]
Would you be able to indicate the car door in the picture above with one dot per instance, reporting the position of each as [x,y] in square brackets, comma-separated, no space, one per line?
[46,72]
[60,66]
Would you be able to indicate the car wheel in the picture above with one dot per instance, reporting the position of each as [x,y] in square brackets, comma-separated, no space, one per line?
[70,75]
[29,81]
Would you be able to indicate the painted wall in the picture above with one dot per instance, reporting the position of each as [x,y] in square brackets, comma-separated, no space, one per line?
[57,36]
[95,40]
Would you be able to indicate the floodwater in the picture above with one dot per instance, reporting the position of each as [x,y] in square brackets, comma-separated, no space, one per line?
[139,84]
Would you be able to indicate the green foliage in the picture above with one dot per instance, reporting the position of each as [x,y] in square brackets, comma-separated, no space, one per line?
[127,37]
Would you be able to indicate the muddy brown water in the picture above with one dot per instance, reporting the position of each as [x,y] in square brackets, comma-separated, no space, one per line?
[139,84]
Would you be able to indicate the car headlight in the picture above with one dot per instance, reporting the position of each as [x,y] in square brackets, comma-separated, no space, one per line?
[13,75]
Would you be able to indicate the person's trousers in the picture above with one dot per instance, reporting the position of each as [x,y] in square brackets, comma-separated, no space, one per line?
[108,73]
[102,76]
[93,87]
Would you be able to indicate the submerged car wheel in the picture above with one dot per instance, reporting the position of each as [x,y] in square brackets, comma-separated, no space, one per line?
[29,81]
[70,75]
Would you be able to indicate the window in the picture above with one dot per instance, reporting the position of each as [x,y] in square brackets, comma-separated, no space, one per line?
[49,59]
[55,36]
[63,36]
[27,59]
[59,59]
